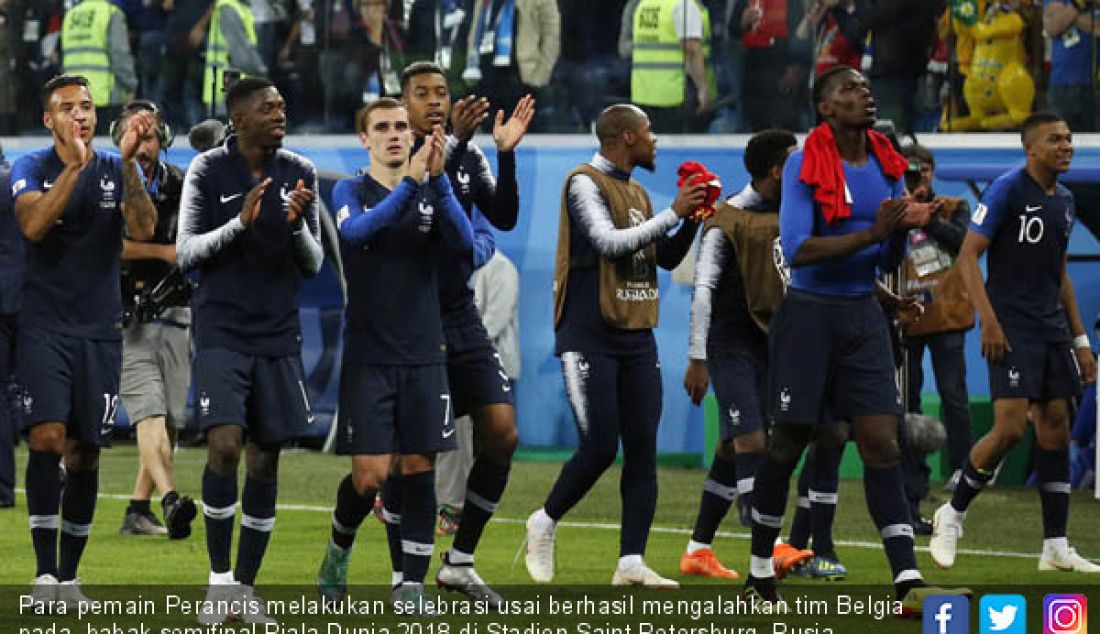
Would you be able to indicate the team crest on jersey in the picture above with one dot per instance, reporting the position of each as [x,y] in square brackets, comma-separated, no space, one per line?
[735,416]
[1013,377]
[28,404]
[108,187]
[342,215]
[463,178]
[204,405]
[785,399]
[979,214]
[426,211]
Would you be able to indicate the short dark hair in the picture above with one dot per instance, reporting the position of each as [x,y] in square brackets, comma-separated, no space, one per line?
[919,152]
[362,116]
[616,119]
[767,149]
[823,83]
[1036,119]
[419,68]
[60,81]
[240,91]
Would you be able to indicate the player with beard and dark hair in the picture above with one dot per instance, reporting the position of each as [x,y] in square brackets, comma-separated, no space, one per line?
[842,219]
[605,308]
[248,223]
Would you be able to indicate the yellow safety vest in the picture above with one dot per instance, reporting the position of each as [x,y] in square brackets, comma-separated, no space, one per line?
[657,69]
[84,47]
[217,53]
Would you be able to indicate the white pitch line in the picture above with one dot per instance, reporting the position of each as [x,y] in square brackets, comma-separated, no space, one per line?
[670,530]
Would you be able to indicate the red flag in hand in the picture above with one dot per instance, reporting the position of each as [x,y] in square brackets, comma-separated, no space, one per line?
[686,171]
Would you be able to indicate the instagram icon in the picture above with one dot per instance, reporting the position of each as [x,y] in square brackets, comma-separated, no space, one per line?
[1065,614]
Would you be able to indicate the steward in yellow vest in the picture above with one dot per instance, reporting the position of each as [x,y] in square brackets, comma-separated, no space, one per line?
[94,43]
[230,49]
[663,52]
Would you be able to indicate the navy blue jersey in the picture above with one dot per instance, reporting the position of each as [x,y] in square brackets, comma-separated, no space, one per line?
[800,218]
[72,274]
[1029,232]
[247,299]
[392,243]
[12,249]
[497,201]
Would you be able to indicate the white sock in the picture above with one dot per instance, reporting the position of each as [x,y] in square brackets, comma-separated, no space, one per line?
[694,546]
[1055,545]
[954,515]
[908,575]
[456,556]
[626,562]
[542,521]
[221,578]
[397,579]
[761,567]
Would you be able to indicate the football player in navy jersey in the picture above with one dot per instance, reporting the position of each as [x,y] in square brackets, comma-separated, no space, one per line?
[1032,337]
[394,398]
[478,384]
[248,223]
[71,202]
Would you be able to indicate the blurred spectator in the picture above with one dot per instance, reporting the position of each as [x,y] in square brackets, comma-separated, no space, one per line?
[512,47]
[1072,26]
[181,71]
[9,87]
[836,35]
[95,44]
[671,39]
[433,31]
[12,253]
[231,50]
[901,41]
[271,18]
[774,86]
[146,19]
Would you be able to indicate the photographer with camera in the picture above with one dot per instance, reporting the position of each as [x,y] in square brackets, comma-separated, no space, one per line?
[156,351]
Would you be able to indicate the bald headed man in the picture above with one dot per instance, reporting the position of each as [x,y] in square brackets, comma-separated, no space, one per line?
[605,309]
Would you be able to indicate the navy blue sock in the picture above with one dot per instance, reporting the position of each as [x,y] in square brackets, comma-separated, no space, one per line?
[484,488]
[773,482]
[77,508]
[417,525]
[1054,488]
[43,503]
[886,502]
[351,509]
[802,524]
[393,498]
[970,485]
[822,493]
[257,522]
[219,510]
[718,492]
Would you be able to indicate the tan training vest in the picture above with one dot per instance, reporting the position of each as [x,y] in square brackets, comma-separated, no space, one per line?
[930,269]
[754,238]
[629,297]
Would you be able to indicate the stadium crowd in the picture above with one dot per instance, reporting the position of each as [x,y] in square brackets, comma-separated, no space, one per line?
[754,59]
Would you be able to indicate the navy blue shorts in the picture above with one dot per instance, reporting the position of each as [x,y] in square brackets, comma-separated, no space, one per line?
[1035,369]
[394,409]
[265,395]
[830,358]
[738,372]
[474,371]
[70,380]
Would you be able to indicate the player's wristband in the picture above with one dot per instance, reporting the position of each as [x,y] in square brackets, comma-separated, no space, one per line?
[1081,341]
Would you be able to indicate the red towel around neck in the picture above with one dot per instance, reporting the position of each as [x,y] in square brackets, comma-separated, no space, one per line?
[823,170]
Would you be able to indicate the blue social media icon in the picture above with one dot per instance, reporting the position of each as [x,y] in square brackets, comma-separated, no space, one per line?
[946,614]
[1002,614]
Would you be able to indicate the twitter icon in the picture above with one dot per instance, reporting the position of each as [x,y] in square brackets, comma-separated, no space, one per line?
[1002,614]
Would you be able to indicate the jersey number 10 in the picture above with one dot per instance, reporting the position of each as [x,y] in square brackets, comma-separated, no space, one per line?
[1031,229]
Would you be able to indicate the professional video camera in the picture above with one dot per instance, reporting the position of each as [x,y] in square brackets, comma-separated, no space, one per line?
[174,289]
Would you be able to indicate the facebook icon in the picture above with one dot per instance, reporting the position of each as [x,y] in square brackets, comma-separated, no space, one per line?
[946,614]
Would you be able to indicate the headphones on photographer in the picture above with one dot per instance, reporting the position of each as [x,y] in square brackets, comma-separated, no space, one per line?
[164,131]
